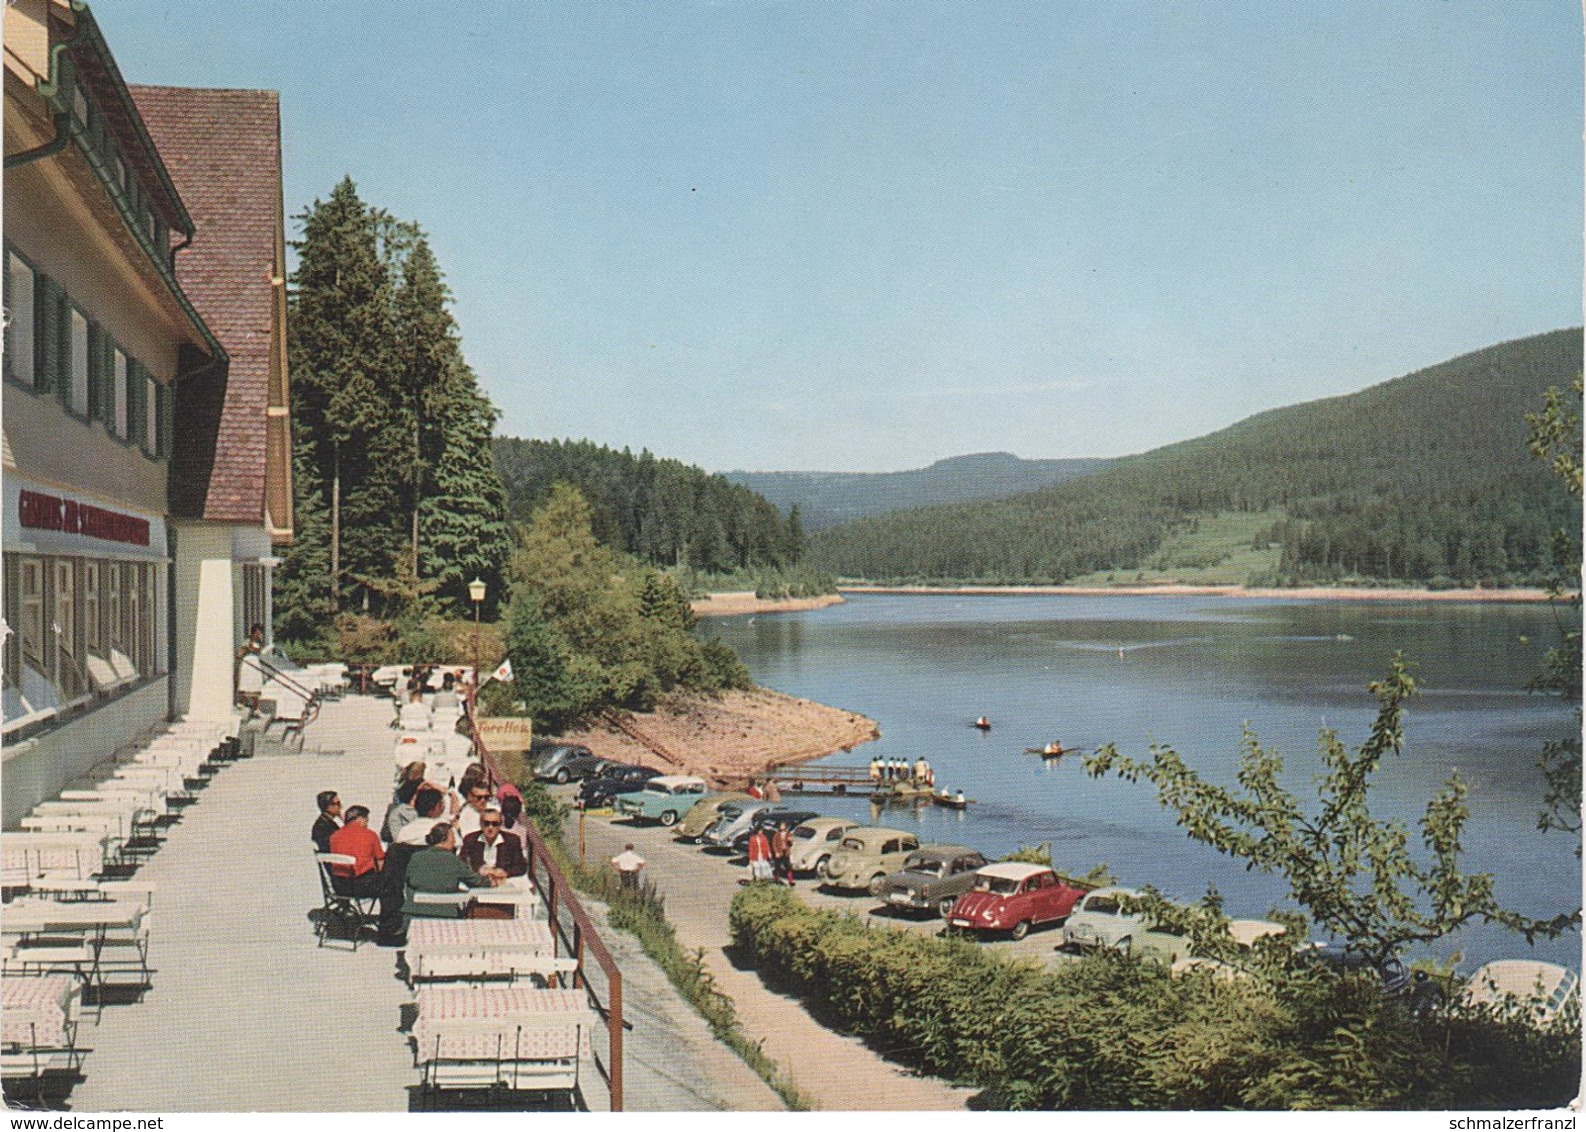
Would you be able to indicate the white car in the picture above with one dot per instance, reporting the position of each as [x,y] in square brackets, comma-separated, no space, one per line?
[815,841]
[1526,988]
[1100,921]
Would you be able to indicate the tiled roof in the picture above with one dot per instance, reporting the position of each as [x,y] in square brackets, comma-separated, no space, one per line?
[223,151]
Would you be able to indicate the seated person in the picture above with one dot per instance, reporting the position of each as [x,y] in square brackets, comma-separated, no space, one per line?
[437,868]
[401,811]
[476,798]
[431,806]
[355,839]
[328,821]
[491,853]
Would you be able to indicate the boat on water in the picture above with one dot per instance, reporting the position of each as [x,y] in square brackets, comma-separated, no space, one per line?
[952,802]
[983,723]
[1054,750]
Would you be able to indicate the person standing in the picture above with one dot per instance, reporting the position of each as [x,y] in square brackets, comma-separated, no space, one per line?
[782,855]
[628,863]
[250,669]
[759,856]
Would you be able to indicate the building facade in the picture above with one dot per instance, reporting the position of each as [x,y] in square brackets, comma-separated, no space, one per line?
[109,370]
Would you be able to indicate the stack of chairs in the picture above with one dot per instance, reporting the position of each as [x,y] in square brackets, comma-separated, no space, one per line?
[75,923]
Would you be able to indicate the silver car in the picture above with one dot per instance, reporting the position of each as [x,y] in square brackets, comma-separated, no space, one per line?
[735,819]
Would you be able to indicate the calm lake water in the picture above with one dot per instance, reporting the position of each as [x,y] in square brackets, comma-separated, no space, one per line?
[1189,673]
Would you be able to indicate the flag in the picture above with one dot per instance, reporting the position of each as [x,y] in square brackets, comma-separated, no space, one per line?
[504,673]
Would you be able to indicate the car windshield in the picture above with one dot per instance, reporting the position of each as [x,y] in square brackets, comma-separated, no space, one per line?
[1002,886]
[730,812]
[1107,905]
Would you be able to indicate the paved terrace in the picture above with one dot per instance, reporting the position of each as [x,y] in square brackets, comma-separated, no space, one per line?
[247,1014]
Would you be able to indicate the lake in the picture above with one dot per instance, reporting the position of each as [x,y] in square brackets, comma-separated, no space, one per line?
[1188,672]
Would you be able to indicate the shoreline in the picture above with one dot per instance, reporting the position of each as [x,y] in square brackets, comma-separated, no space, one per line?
[730,739]
[736,603]
[1307,593]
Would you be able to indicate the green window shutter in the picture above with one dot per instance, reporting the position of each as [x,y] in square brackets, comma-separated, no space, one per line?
[164,449]
[136,413]
[96,399]
[107,381]
[47,334]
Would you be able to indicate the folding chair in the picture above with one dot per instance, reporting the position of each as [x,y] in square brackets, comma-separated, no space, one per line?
[344,916]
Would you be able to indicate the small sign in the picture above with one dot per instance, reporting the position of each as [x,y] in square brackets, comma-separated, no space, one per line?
[505,732]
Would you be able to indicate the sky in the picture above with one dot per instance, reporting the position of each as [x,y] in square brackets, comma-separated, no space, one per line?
[864,236]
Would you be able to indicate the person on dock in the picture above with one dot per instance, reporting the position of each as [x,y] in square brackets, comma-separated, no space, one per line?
[875,770]
[759,856]
[773,792]
[628,863]
[922,771]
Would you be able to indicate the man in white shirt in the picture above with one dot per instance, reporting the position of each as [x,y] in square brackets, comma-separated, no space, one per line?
[628,863]
[431,806]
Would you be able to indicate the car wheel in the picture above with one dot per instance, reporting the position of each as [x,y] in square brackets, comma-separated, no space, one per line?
[821,866]
[875,883]
[1020,929]
[1124,946]
[669,818]
[562,777]
[945,906]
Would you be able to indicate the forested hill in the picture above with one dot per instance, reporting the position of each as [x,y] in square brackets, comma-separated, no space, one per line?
[1425,478]
[825,499]
[664,512]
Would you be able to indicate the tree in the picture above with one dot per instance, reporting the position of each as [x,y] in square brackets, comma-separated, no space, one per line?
[1352,873]
[1556,438]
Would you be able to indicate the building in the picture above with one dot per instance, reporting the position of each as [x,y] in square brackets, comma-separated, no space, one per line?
[139,510]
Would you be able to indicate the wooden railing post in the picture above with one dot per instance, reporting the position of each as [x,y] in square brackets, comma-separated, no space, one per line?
[614,1028]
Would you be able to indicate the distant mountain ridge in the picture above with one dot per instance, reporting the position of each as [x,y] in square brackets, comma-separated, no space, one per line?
[1426,478]
[825,499]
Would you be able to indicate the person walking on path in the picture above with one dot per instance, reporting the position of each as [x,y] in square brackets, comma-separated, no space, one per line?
[628,863]
[782,855]
[759,856]
[250,670]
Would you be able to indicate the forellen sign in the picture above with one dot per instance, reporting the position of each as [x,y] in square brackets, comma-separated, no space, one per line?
[41,512]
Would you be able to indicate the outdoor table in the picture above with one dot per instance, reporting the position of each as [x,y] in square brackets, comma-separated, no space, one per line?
[516,892]
[502,1024]
[34,1007]
[95,923]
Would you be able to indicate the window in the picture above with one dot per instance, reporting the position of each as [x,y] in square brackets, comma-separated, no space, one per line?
[255,586]
[69,675]
[93,636]
[78,347]
[112,574]
[34,642]
[119,381]
[151,409]
[19,319]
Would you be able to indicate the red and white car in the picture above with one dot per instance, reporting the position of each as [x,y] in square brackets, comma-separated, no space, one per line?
[1014,896]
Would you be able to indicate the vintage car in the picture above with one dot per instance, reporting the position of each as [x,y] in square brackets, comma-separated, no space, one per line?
[703,814]
[816,840]
[619,778]
[932,878]
[733,820]
[768,820]
[663,799]
[866,855]
[1526,989]
[1013,897]
[1100,920]
[1244,933]
[564,762]
[1347,960]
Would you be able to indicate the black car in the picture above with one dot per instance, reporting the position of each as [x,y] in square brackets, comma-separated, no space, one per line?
[768,820]
[618,779]
[1347,960]
[564,762]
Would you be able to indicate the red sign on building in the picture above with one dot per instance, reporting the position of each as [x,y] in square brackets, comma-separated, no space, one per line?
[42,512]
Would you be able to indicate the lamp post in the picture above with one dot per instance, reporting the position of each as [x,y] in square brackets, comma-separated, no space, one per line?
[476,594]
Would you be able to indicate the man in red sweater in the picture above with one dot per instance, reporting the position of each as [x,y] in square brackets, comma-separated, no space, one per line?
[759,856]
[356,840]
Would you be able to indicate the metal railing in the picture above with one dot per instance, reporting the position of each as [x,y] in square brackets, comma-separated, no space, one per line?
[576,933]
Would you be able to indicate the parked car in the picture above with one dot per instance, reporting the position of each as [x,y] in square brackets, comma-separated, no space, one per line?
[613,780]
[1101,921]
[704,813]
[866,855]
[663,799]
[564,762]
[1348,960]
[932,878]
[1527,989]
[1013,897]
[814,842]
[731,820]
[1245,933]
[768,820]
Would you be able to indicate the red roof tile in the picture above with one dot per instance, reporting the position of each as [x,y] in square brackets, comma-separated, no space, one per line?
[223,151]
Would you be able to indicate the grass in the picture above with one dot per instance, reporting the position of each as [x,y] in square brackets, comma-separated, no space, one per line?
[1219,551]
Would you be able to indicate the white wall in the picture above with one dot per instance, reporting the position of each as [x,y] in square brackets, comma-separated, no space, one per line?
[208,596]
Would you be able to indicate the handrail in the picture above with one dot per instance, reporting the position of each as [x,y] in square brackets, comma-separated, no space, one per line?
[585,939]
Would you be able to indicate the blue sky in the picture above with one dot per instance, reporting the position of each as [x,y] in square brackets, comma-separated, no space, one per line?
[868,235]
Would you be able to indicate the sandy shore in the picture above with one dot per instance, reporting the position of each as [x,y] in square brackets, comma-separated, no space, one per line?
[727,740]
[737,602]
[1325,593]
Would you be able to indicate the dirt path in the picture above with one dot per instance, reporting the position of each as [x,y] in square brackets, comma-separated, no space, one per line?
[834,1072]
